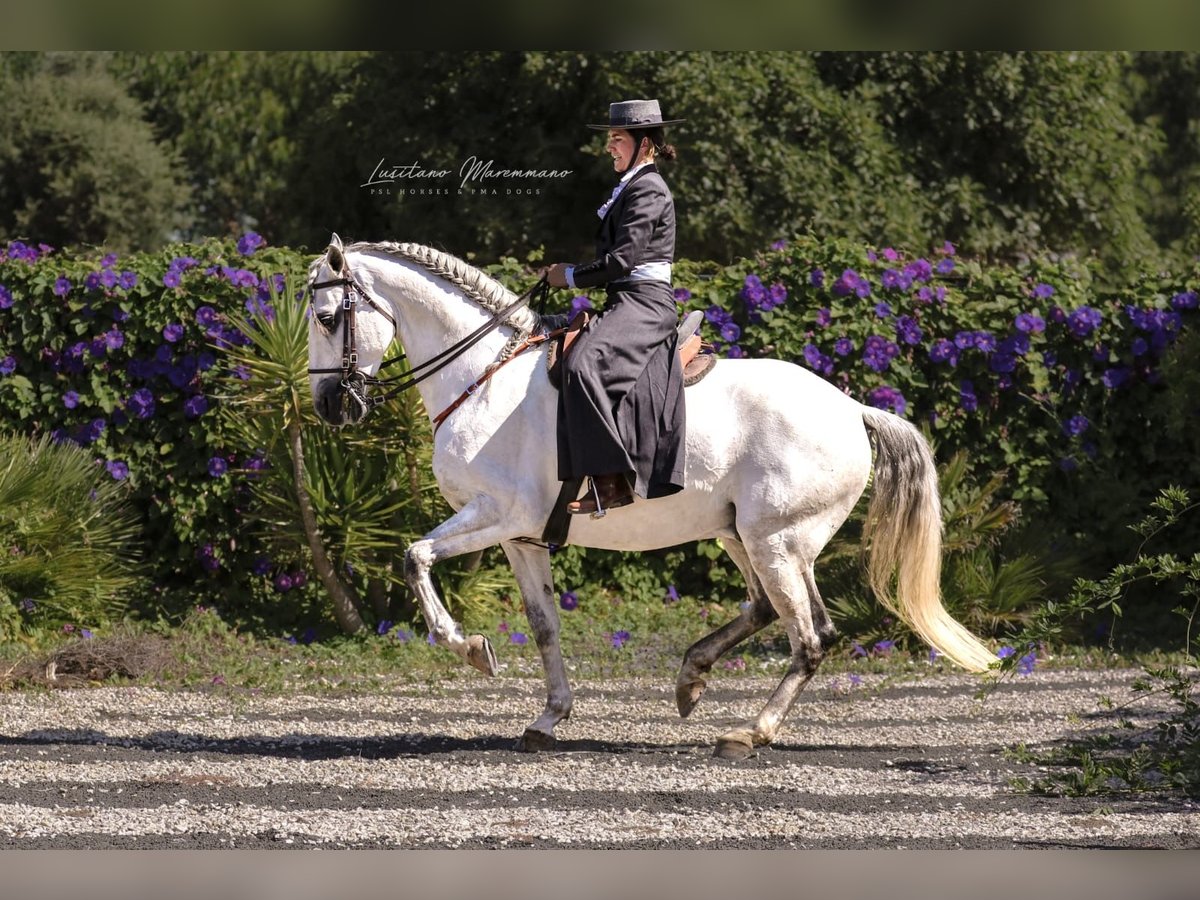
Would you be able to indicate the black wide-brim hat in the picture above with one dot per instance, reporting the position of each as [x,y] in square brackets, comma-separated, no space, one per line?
[634,114]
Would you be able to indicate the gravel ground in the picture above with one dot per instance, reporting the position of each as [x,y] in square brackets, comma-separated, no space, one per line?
[891,763]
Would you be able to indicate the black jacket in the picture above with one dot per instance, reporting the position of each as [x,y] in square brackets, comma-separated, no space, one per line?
[638,228]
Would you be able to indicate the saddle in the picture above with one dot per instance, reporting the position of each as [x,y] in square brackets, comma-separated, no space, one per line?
[694,363]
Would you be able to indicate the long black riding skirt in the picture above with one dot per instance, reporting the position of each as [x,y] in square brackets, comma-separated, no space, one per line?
[621,406]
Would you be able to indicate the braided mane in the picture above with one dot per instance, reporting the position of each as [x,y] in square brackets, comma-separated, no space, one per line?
[477,285]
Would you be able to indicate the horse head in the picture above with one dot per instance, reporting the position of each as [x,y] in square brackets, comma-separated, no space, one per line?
[349,332]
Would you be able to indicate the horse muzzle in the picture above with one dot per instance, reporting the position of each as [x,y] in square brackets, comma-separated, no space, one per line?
[342,402]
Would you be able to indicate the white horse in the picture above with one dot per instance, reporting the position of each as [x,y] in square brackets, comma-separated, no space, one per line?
[776,459]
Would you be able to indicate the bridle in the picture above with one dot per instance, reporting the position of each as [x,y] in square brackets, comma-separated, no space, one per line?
[355,381]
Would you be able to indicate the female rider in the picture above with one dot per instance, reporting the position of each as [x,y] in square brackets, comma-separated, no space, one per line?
[621,409]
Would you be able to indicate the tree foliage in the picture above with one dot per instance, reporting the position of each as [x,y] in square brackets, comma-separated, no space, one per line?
[78,165]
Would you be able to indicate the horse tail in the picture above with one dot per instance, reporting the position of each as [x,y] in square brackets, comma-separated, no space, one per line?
[904,528]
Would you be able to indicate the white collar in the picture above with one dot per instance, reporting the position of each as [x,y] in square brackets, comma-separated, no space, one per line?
[616,192]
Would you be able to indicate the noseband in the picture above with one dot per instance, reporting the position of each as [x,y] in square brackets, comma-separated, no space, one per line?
[355,381]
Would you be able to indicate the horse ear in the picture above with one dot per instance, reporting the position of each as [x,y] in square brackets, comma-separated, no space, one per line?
[333,254]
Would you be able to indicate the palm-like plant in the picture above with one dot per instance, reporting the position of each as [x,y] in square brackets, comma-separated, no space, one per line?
[68,539]
[348,499]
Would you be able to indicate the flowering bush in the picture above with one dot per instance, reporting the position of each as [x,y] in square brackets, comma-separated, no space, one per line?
[121,356]
[1038,368]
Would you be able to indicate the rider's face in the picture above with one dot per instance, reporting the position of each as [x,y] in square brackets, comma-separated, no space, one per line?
[621,147]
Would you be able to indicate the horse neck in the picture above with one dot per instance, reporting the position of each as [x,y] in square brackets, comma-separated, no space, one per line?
[433,315]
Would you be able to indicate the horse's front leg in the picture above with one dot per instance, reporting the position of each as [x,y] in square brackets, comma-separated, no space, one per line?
[531,565]
[477,526]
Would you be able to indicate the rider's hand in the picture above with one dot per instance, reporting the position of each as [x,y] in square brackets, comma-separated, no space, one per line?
[556,275]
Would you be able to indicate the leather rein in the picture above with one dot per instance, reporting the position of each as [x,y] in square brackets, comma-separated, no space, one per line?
[355,381]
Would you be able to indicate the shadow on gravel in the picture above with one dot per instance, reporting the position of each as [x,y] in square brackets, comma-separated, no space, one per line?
[308,747]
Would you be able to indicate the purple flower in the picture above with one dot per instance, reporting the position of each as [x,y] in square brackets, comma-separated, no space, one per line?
[735,352]
[779,244]
[108,261]
[918,270]
[850,282]
[171,279]
[824,317]
[579,303]
[844,346]
[92,281]
[195,406]
[1076,425]
[753,292]
[933,654]
[1139,346]
[141,403]
[887,397]
[1185,300]
[249,242]
[8,365]
[945,266]
[730,332]
[262,565]
[966,396]
[1026,663]
[896,281]
[1041,291]
[114,339]
[117,469]
[890,254]
[856,649]
[518,638]
[70,399]
[217,466]
[855,679]
[884,648]
[128,280]
[716,316]
[206,316]
[172,332]
[908,331]
[618,639]
[1030,323]
[985,341]
[944,351]
[108,278]
[568,600]
[812,355]
[817,278]
[778,295]
[672,595]
[94,429]
[1115,377]
[1005,652]
[882,310]
[682,295]
[283,582]
[62,286]
[5,297]
[964,340]
[947,249]
[384,626]
[1083,321]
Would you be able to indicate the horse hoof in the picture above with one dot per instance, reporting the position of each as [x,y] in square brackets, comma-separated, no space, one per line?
[536,741]
[481,655]
[687,696]
[736,746]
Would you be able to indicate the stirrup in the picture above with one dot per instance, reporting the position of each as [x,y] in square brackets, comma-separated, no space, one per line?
[600,512]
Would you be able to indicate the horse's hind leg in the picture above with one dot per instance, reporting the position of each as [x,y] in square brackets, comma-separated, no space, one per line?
[786,576]
[702,655]
[531,565]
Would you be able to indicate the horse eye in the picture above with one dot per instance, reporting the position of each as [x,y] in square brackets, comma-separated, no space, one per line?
[327,321]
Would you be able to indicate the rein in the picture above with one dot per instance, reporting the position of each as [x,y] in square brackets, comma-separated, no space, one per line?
[355,381]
